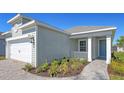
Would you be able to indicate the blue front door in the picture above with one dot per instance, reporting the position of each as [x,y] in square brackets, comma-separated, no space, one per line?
[102,49]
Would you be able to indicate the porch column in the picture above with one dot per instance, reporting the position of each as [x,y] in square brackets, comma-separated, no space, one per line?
[7,50]
[108,49]
[89,49]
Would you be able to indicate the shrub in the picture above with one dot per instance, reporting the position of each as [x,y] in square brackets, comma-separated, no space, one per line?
[74,60]
[64,68]
[66,59]
[75,65]
[63,61]
[118,56]
[54,68]
[28,67]
[84,62]
[113,56]
[55,62]
[43,67]
[117,67]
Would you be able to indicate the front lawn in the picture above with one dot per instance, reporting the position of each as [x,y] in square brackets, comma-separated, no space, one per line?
[116,68]
[2,57]
[58,68]
[116,77]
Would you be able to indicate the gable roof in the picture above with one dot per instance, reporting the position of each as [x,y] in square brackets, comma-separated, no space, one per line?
[43,25]
[88,29]
[17,17]
[71,31]
[33,21]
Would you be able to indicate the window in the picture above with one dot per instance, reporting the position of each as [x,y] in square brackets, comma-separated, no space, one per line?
[82,46]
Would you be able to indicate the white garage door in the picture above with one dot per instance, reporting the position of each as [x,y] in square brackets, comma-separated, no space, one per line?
[21,52]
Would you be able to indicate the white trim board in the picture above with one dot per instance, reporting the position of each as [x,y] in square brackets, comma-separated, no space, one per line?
[19,37]
[6,33]
[12,19]
[16,17]
[112,28]
[90,49]
[27,24]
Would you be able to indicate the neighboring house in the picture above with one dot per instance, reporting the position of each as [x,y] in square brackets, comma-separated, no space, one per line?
[117,48]
[114,48]
[33,42]
[2,45]
[120,49]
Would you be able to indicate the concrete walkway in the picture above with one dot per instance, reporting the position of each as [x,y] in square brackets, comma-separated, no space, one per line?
[96,70]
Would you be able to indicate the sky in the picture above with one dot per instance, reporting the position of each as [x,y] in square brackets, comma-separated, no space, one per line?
[68,20]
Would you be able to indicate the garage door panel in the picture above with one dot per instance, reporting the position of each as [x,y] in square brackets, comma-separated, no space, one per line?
[21,51]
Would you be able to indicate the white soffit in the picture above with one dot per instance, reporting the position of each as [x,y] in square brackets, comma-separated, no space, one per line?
[16,17]
[27,24]
[113,28]
[5,33]
[12,19]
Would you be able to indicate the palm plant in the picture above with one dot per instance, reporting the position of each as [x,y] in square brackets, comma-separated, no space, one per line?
[120,41]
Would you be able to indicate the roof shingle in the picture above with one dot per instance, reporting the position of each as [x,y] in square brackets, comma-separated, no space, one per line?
[85,29]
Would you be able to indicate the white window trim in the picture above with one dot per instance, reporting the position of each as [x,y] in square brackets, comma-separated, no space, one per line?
[79,45]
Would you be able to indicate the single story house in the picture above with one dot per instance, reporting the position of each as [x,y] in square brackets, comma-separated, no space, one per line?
[33,42]
[120,49]
[117,48]
[114,48]
[2,45]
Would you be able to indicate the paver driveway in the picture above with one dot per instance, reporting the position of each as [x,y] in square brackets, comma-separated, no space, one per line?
[12,70]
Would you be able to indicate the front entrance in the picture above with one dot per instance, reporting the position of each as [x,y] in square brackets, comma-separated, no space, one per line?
[102,49]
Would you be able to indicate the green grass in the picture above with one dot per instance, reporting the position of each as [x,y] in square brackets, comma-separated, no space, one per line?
[116,77]
[119,56]
[2,57]
[116,68]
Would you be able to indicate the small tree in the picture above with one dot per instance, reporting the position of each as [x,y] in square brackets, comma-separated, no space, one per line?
[120,41]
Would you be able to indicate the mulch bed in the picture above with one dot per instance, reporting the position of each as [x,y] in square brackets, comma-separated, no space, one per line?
[69,74]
